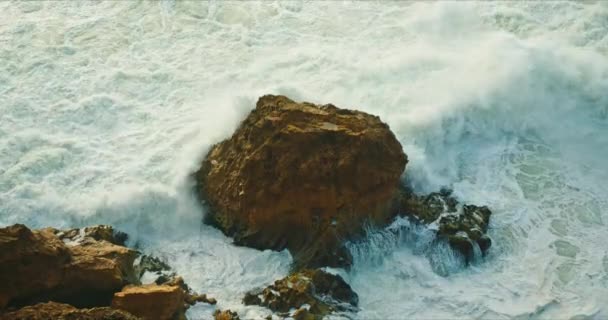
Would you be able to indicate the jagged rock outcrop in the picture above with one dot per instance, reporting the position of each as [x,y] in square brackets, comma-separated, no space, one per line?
[318,292]
[31,263]
[152,302]
[153,269]
[85,268]
[466,228]
[61,311]
[190,296]
[462,226]
[39,266]
[225,315]
[96,270]
[303,177]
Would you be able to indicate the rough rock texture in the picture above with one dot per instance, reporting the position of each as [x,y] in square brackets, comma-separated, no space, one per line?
[461,226]
[427,208]
[60,311]
[304,314]
[321,291]
[97,268]
[85,268]
[464,229]
[302,177]
[152,301]
[99,232]
[190,297]
[154,268]
[38,266]
[31,263]
[225,315]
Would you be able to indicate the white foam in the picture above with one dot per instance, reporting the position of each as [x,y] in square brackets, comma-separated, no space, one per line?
[107,107]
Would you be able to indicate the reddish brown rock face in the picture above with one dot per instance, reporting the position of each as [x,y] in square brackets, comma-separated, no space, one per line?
[30,262]
[38,266]
[302,177]
[83,267]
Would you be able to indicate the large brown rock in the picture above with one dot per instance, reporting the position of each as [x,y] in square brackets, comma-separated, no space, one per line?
[60,311]
[38,266]
[303,177]
[152,302]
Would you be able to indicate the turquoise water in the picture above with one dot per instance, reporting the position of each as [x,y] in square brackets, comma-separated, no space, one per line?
[107,107]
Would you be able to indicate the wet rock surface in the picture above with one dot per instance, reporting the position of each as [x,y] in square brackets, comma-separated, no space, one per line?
[318,292]
[225,315]
[303,177]
[153,269]
[463,226]
[60,311]
[98,233]
[304,314]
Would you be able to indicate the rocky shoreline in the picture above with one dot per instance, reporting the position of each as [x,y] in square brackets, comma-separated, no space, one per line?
[298,176]
[84,273]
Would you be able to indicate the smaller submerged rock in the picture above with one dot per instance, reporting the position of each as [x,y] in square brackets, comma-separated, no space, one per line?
[225,315]
[462,226]
[317,291]
[153,270]
[465,229]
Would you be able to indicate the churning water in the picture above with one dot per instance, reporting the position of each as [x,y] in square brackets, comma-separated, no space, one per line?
[107,107]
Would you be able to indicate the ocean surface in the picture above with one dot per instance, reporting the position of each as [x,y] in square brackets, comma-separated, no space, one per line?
[106,108]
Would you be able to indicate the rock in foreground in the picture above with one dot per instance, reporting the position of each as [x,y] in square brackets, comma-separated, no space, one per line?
[312,292]
[38,266]
[60,311]
[151,302]
[86,268]
[302,177]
